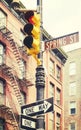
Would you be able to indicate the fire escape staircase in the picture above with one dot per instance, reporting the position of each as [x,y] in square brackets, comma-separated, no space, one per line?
[9,116]
[13,45]
[8,72]
[8,35]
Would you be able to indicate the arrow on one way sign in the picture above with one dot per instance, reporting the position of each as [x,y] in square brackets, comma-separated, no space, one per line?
[40,107]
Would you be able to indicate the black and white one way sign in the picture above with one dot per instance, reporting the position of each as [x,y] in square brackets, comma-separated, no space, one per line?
[39,107]
[28,123]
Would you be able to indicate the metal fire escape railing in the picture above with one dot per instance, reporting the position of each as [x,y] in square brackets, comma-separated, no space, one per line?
[7,34]
[8,72]
[17,53]
[9,116]
[7,113]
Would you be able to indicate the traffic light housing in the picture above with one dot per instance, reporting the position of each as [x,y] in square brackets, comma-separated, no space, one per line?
[32,30]
[15,4]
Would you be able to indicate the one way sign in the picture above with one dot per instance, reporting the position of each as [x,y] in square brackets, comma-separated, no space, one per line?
[39,107]
[28,123]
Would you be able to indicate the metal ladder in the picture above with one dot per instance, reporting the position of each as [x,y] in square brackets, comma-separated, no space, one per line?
[8,71]
[8,35]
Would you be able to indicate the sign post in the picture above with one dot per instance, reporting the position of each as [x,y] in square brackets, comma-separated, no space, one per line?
[40,74]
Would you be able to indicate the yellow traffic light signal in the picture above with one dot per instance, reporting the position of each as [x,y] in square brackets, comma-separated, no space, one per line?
[32,29]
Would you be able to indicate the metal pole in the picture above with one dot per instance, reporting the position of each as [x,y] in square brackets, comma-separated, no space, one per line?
[40,74]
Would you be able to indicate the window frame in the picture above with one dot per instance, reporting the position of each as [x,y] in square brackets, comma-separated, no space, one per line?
[72,68]
[2,123]
[72,88]
[72,109]
[5,18]
[58,96]
[51,90]
[58,72]
[52,67]
[2,54]
[70,126]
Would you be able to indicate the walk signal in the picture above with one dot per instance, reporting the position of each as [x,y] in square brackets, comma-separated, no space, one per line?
[32,30]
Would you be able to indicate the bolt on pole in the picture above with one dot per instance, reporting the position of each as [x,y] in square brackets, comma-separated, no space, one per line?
[40,74]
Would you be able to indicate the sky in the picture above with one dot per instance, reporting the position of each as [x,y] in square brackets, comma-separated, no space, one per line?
[60,17]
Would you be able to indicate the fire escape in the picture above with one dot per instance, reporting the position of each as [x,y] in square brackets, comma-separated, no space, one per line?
[8,72]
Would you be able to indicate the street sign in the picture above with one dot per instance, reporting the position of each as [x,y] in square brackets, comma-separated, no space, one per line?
[39,107]
[61,41]
[28,123]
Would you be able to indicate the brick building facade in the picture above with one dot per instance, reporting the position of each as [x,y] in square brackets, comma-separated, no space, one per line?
[72,91]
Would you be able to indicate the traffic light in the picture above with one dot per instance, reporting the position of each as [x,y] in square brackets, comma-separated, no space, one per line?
[15,4]
[32,30]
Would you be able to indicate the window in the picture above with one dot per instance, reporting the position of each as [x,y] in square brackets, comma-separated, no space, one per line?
[72,89]
[23,97]
[1,87]
[58,121]
[1,91]
[58,71]
[1,54]
[22,35]
[72,68]
[51,121]
[57,127]
[2,18]
[2,123]
[51,90]
[72,126]
[51,65]
[22,70]
[58,96]
[73,107]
